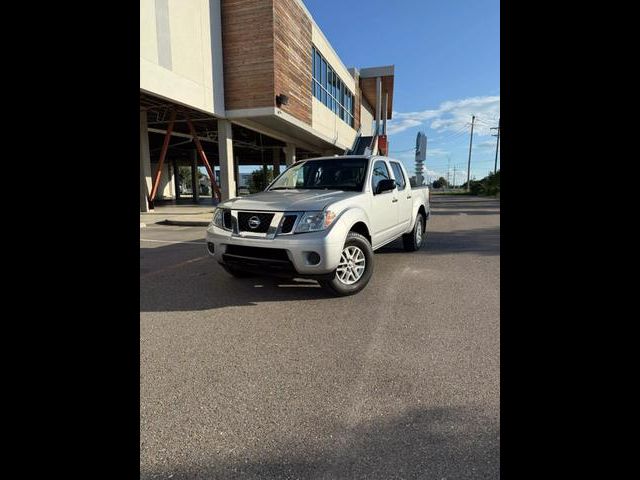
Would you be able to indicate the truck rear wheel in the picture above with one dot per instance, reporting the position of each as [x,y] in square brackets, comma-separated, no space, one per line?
[355,268]
[413,241]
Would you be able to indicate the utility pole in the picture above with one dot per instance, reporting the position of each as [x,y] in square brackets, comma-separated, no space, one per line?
[495,165]
[448,170]
[473,119]
[454,176]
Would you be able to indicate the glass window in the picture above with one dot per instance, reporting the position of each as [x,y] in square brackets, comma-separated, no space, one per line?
[332,174]
[318,63]
[333,85]
[380,172]
[330,90]
[399,175]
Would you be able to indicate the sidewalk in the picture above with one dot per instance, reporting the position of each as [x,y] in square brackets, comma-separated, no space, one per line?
[185,215]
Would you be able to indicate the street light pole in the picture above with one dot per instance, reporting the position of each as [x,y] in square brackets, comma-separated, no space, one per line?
[495,165]
[473,119]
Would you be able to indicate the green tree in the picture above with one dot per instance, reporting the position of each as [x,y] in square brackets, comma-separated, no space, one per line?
[440,183]
[260,178]
[489,185]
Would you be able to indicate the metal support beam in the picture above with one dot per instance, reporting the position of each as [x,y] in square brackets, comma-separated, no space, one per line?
[203,156]
[384,114]
[163,154]
[183,135]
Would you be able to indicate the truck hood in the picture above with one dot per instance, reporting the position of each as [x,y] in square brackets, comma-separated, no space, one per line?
[288,200]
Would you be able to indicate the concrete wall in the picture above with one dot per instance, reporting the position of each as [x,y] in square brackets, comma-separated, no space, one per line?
[366,118]
[181,52]
[329,124]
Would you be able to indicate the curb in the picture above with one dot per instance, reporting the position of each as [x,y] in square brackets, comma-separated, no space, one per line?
[186,223]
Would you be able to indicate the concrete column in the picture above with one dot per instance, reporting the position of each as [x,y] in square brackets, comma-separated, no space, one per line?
[195,184]
[276,161]
[290,154]
[176,178]
[145,164]
[225,151]
[378,104]
[237,170]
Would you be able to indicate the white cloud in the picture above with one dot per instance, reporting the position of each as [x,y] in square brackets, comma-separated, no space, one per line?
[452,116]
[486,144]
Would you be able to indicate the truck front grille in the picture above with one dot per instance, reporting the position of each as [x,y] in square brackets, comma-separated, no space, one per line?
[257,252]
[287,223]
[259,260]
[257,222]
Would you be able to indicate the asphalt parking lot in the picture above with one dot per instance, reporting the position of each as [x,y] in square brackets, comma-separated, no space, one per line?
[260,378]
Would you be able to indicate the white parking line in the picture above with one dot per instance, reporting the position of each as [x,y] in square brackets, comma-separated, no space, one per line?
[170,241]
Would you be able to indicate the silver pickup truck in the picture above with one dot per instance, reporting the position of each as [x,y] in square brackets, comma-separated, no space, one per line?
[321,218]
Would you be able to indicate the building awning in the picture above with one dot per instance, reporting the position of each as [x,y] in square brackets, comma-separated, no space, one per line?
[368,85]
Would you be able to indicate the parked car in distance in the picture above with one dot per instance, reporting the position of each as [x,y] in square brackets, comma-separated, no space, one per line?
[322,218]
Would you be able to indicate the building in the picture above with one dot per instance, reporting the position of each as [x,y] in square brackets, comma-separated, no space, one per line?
[226,84]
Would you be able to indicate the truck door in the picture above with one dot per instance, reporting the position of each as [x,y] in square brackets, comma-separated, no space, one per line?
[405,202]
[384,211]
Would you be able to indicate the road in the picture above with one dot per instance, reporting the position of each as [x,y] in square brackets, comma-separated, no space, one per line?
[260,378]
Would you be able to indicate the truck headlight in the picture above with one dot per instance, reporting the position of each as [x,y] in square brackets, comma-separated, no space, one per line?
[315,221]
[219,220]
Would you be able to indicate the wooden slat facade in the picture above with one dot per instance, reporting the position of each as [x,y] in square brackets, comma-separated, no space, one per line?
[293,67]
[266,48]
[248,53]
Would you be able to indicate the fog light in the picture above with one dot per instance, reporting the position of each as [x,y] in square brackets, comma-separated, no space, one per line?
[211,247]
[313,258]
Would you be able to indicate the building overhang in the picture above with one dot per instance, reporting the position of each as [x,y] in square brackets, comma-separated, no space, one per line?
[368,78]
[282,126]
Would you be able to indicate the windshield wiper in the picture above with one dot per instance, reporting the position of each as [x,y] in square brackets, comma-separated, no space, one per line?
[283,188]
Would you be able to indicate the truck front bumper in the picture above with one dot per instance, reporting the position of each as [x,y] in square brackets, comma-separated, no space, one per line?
[305,255]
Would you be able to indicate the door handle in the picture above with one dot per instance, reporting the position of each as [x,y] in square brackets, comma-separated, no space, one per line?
[408,196]
[394,200]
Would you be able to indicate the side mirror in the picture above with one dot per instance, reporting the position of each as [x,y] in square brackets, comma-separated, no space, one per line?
[385,186]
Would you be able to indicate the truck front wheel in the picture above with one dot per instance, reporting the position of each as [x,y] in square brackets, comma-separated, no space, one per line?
[355,268]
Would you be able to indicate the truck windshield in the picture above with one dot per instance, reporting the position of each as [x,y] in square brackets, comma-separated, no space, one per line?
[332,174]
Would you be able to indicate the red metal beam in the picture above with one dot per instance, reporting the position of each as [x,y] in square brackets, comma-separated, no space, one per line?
[203,156]
[163,154]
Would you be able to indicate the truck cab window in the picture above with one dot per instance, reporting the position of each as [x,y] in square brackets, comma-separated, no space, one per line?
[380,172]
[397,172]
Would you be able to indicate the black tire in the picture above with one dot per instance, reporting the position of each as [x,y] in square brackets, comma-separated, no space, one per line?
[335,285]
[236,272]
[412,241]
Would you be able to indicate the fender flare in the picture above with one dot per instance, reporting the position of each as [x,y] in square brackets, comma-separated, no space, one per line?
[348,218]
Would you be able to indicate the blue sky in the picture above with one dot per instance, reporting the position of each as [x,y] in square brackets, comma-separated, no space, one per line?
[447,67]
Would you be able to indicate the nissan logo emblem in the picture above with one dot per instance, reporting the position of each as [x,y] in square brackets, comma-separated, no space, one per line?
[254,222]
